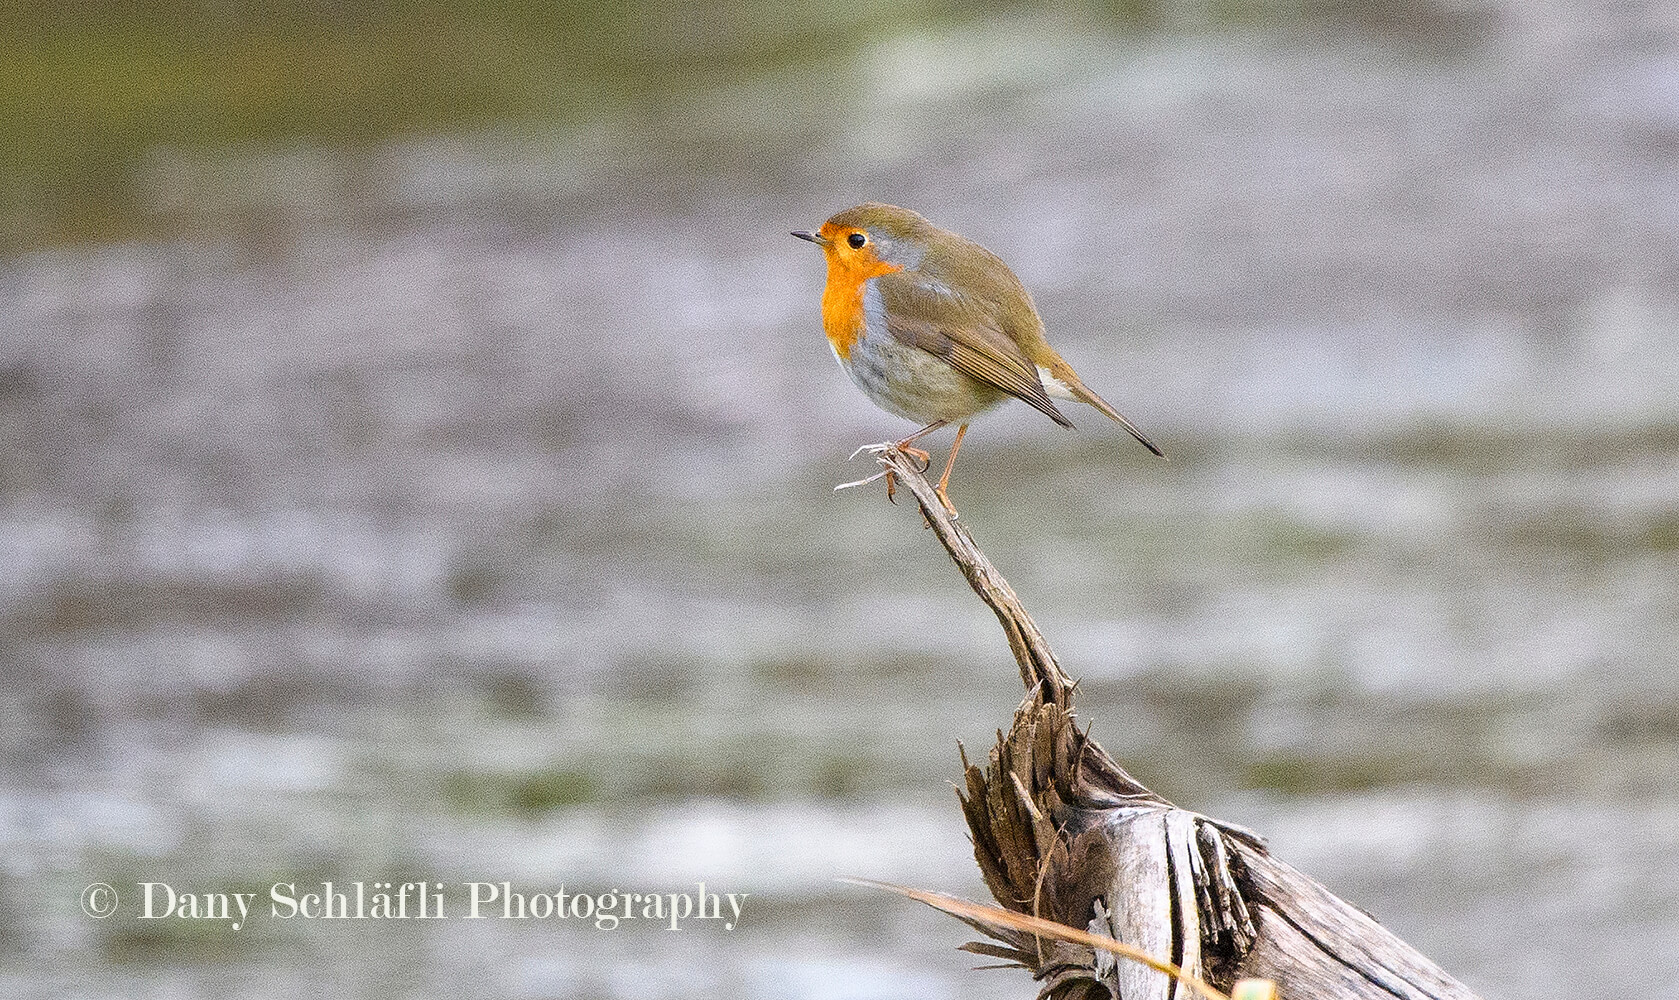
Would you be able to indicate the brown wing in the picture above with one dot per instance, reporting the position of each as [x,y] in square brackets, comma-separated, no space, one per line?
[963,334]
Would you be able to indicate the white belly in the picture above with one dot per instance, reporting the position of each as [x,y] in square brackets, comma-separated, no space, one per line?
[916,385]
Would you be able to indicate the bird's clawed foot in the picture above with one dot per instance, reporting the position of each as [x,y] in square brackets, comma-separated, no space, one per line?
[923,457]
[915,454]
[904,447]
[944,498]
[891,476]
[886,473]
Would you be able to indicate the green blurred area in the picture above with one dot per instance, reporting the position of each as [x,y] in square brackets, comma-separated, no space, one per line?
[89,90]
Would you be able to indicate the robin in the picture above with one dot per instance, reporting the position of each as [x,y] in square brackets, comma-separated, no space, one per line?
[936,329]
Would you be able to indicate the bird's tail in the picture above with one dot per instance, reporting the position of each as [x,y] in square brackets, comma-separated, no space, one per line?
[1084,394]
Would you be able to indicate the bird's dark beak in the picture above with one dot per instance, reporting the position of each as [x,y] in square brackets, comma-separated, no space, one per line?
[816,238]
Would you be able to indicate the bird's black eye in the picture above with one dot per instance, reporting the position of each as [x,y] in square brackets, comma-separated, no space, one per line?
[856,240]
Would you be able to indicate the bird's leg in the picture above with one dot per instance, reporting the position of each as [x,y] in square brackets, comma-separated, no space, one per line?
[949,464]
[916,453]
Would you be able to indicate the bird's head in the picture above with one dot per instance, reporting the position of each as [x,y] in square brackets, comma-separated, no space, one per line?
[874,238]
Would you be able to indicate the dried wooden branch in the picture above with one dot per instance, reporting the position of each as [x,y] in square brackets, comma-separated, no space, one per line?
[1038,665]
[1061,832]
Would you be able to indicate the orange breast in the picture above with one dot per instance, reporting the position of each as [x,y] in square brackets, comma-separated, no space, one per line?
[842,299]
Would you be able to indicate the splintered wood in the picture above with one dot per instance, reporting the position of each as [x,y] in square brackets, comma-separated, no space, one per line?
[1061,832]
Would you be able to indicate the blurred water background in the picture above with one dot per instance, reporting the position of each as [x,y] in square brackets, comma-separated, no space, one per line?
[417,441]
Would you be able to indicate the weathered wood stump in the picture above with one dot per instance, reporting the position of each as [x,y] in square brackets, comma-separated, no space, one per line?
[1061,832]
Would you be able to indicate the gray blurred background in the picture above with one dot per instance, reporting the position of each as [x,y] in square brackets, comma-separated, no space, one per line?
[417,442]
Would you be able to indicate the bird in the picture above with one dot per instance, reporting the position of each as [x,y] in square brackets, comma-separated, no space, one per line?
[936,329]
